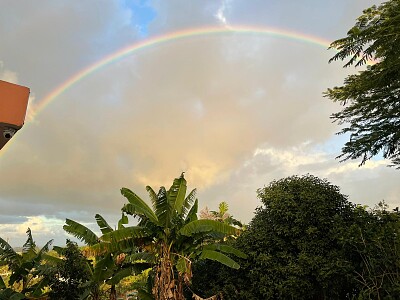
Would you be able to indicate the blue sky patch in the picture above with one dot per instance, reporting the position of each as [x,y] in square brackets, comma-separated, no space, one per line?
[142,15]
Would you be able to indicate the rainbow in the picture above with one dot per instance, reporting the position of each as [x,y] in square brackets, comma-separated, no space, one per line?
[178,35]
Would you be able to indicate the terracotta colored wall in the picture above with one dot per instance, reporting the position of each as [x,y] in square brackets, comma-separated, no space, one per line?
[13,105]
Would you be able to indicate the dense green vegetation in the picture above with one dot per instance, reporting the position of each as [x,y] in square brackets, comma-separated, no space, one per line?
[371,98]
[172,234]
[69,278]
[161,249]
[306,240]
[25,268]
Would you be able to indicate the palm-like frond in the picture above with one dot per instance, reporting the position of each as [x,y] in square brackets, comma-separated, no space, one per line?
[192,214]
[219,257]
[201,226]
[59,250]
[51,260]
[182,265]
[44,249]
[119,240]
[9,294]
[122,221]
[29,248]
[112,247]
[163,208]
[188,203]
[20,271]
[7,253]
[119,275]
[153,197]
[81,232]
[137,206]
[125,234]
[104,268]
[176,194]
[39,288]
[140,257]
[225,249]
[104,227]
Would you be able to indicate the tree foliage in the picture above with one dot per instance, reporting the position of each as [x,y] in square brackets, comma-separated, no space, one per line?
[374,241]
[26,275]
[172,234]
[293,244]
[308,242]
[69,279]
[305,242]
[112,266]
[371,98]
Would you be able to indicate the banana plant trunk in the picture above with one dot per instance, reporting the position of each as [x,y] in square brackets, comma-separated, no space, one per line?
[113,293]
[166,287]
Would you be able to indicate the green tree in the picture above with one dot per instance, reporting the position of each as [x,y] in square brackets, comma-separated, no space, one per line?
[171,232]
[371,98]
[25,280]
[211,277]
[69,278]
[374,241]
[294,246]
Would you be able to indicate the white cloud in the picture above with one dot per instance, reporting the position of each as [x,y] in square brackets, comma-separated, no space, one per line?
[221,12]
[43,229]
[7,75]
[366,185]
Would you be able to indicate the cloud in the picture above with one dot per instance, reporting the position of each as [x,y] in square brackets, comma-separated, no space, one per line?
[42,227]
[196,106]
[48,41]
[364,185]
[7,75]
[221,12]
[234,111]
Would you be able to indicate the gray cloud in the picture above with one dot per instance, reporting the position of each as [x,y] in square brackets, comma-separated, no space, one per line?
[203,105]
[45,42]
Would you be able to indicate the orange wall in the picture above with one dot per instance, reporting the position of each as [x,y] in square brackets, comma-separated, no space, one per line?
[13,103]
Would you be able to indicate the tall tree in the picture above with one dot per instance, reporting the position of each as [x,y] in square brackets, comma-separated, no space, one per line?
[371,98]
[293,244]
[171,232]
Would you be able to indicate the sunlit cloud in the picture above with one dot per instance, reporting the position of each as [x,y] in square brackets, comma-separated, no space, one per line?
[232,111]
[41,226]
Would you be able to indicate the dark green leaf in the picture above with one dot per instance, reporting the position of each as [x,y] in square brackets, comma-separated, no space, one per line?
[137,206]
[81,232]
[198,226]
[219,257]
[104,227]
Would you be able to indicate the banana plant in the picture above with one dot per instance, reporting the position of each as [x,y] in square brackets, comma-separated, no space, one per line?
[25,269]
[110,266]
[171,232]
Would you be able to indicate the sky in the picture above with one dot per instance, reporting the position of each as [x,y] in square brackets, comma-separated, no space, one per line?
[234,110]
